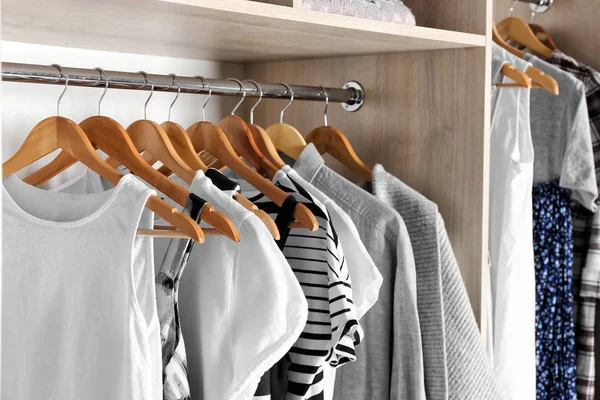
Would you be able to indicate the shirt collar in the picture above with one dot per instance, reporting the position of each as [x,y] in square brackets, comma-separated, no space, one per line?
[309,163]
[380,181]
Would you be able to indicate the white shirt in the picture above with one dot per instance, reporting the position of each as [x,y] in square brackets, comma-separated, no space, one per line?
[512,273]
[79,316]
[241,306]
[366,279]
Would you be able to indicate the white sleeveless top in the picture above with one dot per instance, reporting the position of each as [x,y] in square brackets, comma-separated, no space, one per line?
[79,313]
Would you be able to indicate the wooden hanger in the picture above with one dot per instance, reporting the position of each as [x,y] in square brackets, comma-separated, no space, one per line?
[240,137]
[118,145]
[210,137]
[185,149]
[543,36]
[521,79]
[330,140]
[61,133]
[109,136]
[541,79]
[502,43]
[517,30]
[148,136]
[183,146]
[266,146]
[285,137]
[261,137]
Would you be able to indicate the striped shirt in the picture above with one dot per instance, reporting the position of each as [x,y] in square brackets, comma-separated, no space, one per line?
[317,259]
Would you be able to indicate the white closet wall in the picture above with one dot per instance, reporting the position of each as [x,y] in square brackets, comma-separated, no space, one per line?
[24,105]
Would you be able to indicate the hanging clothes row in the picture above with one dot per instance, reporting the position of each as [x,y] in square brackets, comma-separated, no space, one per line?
[543,196]
[226,261]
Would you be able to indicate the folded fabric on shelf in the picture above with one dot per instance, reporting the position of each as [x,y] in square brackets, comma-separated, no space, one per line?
[380,10]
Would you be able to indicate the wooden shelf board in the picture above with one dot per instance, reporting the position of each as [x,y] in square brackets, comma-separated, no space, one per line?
[223,30]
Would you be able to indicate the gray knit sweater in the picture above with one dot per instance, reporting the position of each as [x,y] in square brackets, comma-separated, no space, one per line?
[470,375]
[389,361]
[420,216]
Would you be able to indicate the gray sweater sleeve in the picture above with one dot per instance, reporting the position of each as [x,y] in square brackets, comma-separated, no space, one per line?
[407,375]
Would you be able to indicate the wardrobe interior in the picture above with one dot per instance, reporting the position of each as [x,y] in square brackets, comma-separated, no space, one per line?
[427,91]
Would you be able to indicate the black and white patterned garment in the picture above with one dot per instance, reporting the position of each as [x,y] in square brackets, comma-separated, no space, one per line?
[175,374]
[317,259]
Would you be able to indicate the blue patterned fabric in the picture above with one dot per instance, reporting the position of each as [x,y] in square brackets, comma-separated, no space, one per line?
[555,333]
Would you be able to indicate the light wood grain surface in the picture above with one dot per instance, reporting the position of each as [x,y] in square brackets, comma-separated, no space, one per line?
[424,119]
[573,24]
[458,15]
[232,30]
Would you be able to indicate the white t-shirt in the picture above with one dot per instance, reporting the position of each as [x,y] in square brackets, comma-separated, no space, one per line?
[241,306]
[512,267]
[88,182]
[366,279]
[79,315]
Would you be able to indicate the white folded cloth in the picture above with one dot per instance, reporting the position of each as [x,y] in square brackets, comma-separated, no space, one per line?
[381,10]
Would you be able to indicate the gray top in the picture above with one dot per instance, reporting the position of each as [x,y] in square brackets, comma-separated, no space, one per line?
[470,374]
[389,362]
[560,129]
[420,216]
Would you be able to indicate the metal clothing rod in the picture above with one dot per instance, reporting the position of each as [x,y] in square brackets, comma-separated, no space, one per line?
[351,96]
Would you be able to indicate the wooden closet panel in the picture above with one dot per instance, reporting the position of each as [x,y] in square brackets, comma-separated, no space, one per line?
[456,15]
[573,25]
[424,119]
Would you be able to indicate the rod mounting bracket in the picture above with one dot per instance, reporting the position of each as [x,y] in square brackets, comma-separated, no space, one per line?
[358,99]
[541,6]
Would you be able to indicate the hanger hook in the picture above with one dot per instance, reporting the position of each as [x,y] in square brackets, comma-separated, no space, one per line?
[324,91]
[512,8]
[260,96]
[532,17]
[173,81]
[62,73]
[287,89]
[209,94]
[102,74]
[243,94]
[146,80]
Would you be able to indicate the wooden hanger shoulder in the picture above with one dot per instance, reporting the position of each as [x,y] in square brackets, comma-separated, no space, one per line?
[210,137]
[58,132]
[518,30]
[240,137]
[148,136]
[521,79]
[266,146]
[543,35]
[330,140]
[183,145]
[287,139]
[502,43]
[542,79]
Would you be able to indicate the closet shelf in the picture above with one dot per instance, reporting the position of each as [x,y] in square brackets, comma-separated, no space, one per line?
[222,30]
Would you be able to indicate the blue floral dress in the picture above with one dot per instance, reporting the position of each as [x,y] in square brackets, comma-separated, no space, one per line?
[555,334]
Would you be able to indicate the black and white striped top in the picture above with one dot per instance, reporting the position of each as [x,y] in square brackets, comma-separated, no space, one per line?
[317,259]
